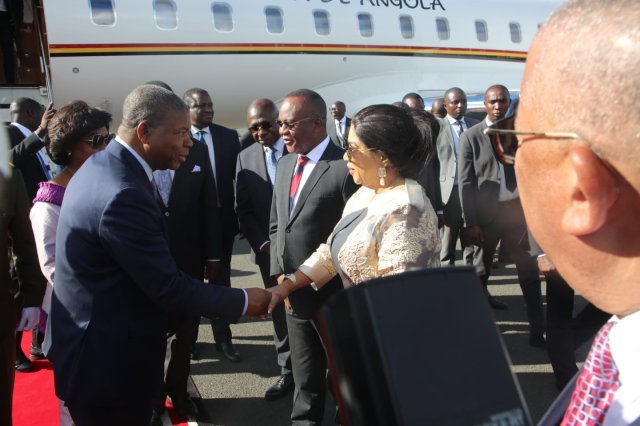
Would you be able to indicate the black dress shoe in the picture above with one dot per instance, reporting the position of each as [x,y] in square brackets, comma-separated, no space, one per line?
[195,355]
[156,417]
[280,388]
[23,365]
[185,407]
[495,304]
[537,340]
[36,354]
[229,351]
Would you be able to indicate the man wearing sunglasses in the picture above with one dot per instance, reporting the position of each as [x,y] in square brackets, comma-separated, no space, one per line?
[579,180]
[492,210]
[255,177]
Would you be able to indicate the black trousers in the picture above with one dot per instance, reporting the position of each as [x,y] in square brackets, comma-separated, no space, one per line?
[510,229]
[564,332]
[278,316]
[220,326]
[452,230]
[309,364]
[7,362]
[6,45]
[133,415]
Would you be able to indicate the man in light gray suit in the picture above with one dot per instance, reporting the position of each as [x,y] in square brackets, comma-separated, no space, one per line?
[255,177]
[448,145]
[493,213]
[338,128]
[312,187]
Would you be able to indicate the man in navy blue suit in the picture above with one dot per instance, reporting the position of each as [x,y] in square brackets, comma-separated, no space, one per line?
[115,277]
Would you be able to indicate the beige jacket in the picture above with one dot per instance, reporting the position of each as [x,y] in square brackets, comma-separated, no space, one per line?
[398,233]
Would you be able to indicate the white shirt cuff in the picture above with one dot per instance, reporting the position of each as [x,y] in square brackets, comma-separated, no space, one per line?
[246,302]
[263,244]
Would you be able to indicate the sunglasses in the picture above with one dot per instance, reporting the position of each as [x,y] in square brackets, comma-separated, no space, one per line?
[352,149]
[97,141]
[505,139]
[292,126]
[265,125]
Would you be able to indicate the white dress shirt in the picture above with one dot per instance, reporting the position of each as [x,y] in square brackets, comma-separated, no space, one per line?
[454,126]
[314,156]
[208,139]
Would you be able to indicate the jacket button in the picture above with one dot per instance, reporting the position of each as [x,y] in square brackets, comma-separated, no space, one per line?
[288,231]
[166,214]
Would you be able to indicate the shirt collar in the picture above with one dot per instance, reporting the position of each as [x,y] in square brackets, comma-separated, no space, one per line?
[143,163]
[26,132]
[489,122]
[453,120]
[195,130]
[625,348]
[316,153]
[278,146]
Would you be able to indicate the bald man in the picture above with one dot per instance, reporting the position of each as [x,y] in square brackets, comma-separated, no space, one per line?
[580,189]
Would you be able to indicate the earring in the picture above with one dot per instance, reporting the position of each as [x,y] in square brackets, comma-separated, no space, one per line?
[382,173]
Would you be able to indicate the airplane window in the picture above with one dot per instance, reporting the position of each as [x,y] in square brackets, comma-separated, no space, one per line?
[321,21]
[165,14]
[442,26]
[366,24]
[222,19]
[274,19]
[516,34]
[481,30]
[102,12]
[406,26]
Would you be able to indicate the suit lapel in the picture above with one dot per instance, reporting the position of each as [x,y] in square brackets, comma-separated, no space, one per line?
[320,168]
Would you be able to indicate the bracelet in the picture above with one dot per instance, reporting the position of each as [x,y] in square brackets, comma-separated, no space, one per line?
[290,277]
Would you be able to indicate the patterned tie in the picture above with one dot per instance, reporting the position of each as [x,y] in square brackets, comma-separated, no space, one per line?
[459,128]
[596,385]
[271,162]
[163,183]
[295,180]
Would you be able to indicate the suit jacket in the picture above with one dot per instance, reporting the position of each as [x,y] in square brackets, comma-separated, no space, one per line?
[24,155]
[478,177]
[193,218]
[115,281]
[226,147]
[447,157]
[319,207]
[253,196]
[15,224]
[333,132]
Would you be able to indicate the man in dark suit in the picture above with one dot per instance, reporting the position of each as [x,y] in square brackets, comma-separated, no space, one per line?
[448,145]
[254,189]
[338,128]
[115,276]
[438,109]
[579,181]
[305,208]
[223,146]
[26,132]
[492,210]
[11,17]
[15,224]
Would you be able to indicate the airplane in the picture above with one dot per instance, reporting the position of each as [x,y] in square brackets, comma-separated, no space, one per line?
[358,51]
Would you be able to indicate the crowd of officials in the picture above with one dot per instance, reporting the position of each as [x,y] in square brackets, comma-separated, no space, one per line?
[139,218]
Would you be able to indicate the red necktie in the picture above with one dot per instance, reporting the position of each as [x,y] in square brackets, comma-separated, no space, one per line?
[295,180]
[596,385]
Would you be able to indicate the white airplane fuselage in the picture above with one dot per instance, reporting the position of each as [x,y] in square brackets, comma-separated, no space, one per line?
[101,64]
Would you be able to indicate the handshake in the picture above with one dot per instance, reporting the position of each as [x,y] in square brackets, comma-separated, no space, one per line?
[261,302]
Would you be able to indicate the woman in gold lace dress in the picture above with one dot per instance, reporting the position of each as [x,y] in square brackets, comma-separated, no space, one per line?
[388,226]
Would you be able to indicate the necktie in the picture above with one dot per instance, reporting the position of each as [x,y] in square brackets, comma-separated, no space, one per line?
[163,183]
[271,162]
[340,129]
[295,180]
[200,134]
[459,128]
[596,385]
[510,177]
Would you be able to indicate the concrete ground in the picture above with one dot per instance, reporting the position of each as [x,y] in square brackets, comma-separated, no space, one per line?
[232,393]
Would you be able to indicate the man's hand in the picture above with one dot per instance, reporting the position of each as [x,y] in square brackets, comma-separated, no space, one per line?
[48,114]
[29,319]
[259,300]
[211,269]
[546,266]
[476,236]
[278,294]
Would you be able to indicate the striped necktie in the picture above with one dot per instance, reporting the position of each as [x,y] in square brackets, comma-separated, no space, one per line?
[295,180]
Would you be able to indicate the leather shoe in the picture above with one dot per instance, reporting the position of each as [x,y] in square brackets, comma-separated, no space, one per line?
[537,340]
[229,351]
[156,417]
[185,407]
[23,365]
[195,355]
[280,388]
[495,304]
[36,354]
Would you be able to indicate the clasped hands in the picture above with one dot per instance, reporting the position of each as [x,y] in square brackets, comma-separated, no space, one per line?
[262,302]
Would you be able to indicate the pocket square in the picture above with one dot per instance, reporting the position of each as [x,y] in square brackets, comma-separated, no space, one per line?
[196,168]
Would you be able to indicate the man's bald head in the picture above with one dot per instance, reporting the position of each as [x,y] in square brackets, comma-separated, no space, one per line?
[261,121]
[602,66]
[262,106]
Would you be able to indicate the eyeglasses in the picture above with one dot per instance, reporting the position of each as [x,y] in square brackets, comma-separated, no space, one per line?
[265,125]
[292,126]
[97,141]
[505,139]
[352,149]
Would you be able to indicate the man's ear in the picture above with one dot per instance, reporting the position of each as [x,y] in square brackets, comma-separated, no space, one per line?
[142,131]
[594,190]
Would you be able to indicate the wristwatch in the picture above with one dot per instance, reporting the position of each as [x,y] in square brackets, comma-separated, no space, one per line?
[290,277]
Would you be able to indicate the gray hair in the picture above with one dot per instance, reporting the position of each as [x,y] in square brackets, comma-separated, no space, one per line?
[150,103]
